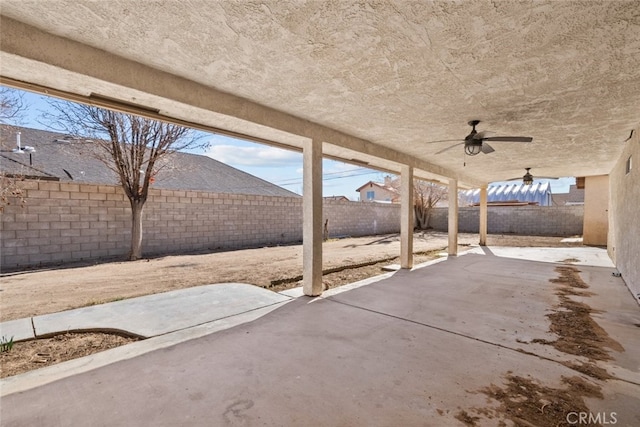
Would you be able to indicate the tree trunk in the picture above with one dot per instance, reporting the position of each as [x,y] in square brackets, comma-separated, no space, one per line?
[420,217]
[136,229]
[427,219]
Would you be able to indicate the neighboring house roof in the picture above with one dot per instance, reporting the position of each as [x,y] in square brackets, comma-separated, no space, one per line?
[576,196]
[380,185]
[75,159]
[14,168]
[539,193]
[339,198]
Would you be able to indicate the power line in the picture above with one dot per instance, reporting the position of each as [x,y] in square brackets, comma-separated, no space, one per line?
[324,174]
[299,181]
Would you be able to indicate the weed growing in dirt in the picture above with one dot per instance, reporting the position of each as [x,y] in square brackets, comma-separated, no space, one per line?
[6,345]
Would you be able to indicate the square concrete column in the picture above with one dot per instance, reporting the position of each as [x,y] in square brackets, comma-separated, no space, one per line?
[406,217]
[453,217]
[312,217]
[483,216]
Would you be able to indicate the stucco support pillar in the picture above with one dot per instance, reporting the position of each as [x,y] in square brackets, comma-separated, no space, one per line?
[453,217]
[406,217]
[312,217]
[483,216]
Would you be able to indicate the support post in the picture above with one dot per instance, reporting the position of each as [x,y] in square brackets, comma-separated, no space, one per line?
[312,218]
[483,216]
[406,217]
[453,217]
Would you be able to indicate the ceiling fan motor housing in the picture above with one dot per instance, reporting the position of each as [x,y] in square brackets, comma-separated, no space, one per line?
[473,133]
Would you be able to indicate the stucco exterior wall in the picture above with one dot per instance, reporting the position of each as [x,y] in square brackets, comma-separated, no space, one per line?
[624,215]
[525,220]
[596,210]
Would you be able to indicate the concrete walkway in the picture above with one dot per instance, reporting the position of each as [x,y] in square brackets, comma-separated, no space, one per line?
[150,315]
[406,348]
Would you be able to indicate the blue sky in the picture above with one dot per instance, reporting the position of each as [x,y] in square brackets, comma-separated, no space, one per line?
[281,167]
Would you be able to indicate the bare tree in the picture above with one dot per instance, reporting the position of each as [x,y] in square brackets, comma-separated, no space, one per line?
[12,105]
[12,109]
[133,147]
[11,190]
[426,195]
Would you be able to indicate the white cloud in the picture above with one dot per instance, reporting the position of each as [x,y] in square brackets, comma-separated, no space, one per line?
[253,156]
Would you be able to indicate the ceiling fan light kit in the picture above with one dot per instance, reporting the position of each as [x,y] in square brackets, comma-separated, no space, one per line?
[473,147]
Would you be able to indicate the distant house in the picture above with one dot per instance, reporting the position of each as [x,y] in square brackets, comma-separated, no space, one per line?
[61,157]
[511,195]
[379,192]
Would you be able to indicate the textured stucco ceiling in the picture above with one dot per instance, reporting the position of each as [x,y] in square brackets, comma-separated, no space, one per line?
[399,74]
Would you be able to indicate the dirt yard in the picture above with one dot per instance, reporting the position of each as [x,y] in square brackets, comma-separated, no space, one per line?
[32,293]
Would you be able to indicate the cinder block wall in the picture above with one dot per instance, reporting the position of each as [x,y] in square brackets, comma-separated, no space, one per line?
[361,219]
[183,221]
[63,222]
[523,220]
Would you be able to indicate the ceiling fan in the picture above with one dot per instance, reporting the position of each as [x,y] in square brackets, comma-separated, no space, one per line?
[474,143]
[527,179]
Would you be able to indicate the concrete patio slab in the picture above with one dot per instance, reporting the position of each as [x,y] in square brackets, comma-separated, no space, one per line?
[414,348]
[358,367]
[593,256]
[72,367]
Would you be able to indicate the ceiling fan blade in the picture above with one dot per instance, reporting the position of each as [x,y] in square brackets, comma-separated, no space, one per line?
[486,148]
[443,140]
[509,138]
[535,177]
[450,147]
[484,134]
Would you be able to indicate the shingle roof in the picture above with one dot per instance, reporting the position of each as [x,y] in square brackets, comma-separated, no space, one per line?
[77,160]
